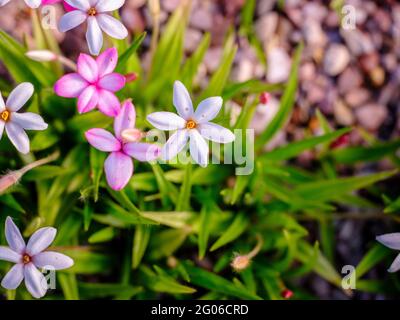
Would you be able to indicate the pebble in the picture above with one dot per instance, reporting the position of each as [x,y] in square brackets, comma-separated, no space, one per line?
[193,38]
[201,19]
[336,59]
[279,63]
[349,79]
[356,98]
[343,115]
[371,116]
[266,26]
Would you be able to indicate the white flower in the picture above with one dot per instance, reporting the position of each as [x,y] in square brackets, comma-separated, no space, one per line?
[191,125]
[93,11]
[15,123]
[28,258]
[30,3]
[392,241]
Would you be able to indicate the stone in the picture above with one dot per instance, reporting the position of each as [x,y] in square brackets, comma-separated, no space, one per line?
[279,63]
[192,39]
[349,79]
[371,116]
[343,114]
[357,97]
[336,59]
[266,26]
[170,5]
[201,18]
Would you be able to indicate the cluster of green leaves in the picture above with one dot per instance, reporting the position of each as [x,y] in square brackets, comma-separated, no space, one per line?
[174,230]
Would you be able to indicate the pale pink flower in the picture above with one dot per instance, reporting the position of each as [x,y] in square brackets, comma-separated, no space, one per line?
[16,123]
[118,165]
[95,13]
[29,257]
[190,125]
[392,241]
[94,84]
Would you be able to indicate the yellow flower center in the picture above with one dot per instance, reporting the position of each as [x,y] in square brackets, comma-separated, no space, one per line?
[5,115]
[92,12]
[191,124]
[26,259]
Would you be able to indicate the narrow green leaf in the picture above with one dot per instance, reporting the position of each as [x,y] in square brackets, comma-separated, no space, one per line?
[237,227]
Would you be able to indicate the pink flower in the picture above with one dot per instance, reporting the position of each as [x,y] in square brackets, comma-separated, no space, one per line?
[94,84]
[118,165]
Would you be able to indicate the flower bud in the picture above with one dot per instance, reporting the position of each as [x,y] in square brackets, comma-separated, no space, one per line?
[41,55]
[287,294]
[8,180]
[132,135]
[264,98]
[240,263]
[131,77]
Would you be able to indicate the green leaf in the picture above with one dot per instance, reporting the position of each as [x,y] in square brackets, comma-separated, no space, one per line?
[102,235]
[237,227]
[69,286]
[124,58]
[174,219]
[211,281]
[356,154]
[334,188]
[295,148]
[204,230]
[286,104]
[96,164]
[375,255]
[184,194]
[140,242]
[162,282]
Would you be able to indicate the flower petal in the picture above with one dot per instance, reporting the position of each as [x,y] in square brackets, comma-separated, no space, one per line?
[112,82]
[35,281]
[208,109]
[2,104]
[19,96]
[40,240]
[6,254]
[175,144]
[88,99]
[102,140]
[395,265]
[83,5]
[108,103]
[70,85]
[390,240]
[29,121]
[216,133]
[125,119]
[33,3]
[119,170]
[54,260]
[2,125]
[18,137]
[71,20]
[113,27]
[14,277]
[107,61]
[198,148]
[166,120]
[107,5]
[4,2]
[182,101]
[94,36]
[142,151]
[14,237]
[87,68]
